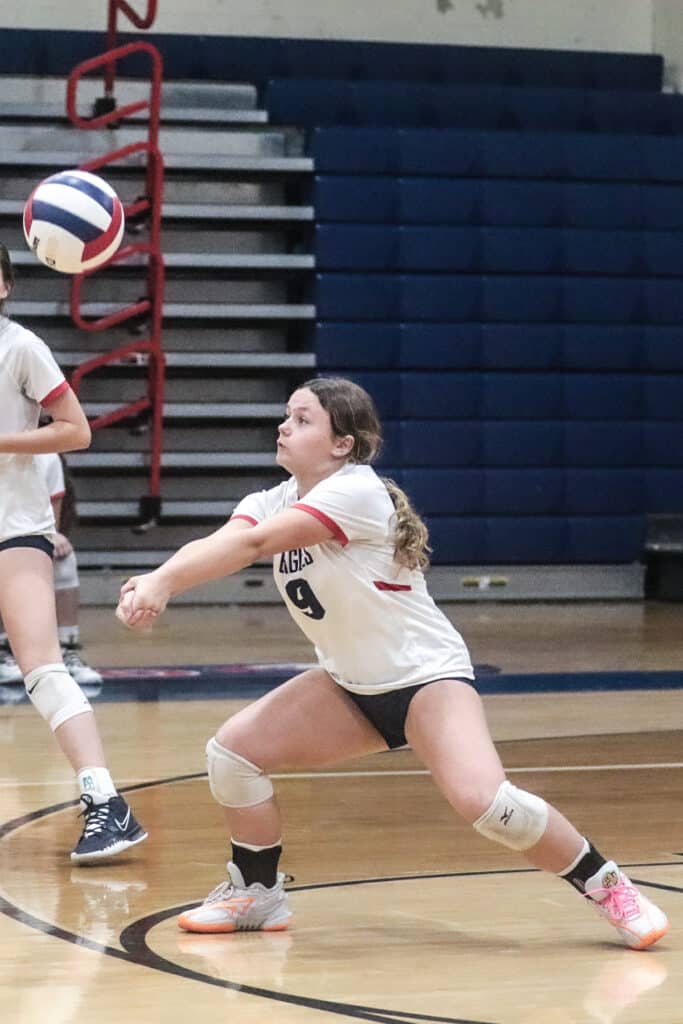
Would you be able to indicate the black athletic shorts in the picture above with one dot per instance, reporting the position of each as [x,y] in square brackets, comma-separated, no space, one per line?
[29,541]
[388,711]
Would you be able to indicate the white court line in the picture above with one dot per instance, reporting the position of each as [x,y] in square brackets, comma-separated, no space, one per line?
[16,783]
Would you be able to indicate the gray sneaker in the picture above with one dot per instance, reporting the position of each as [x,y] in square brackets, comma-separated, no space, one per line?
[233,906]
[9,670]
[77,668]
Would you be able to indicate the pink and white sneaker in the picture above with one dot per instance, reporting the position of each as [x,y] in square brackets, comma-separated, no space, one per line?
[639,922]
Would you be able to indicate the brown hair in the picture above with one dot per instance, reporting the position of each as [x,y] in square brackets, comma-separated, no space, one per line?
[7,272]
[352,412]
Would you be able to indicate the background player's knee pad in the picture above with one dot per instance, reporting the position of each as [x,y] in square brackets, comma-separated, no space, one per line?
[55,695]
[515,818]
[66,572]
[234,781]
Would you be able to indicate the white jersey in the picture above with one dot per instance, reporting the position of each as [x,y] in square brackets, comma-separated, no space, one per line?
[29,379]
[372,622]
[52,471]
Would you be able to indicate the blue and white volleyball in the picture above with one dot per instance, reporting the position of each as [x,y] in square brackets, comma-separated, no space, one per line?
[73,221]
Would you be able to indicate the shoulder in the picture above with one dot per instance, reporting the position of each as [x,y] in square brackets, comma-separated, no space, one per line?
[359,483]
[18,337]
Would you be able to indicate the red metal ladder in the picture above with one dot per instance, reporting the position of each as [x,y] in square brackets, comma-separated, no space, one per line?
[148,349]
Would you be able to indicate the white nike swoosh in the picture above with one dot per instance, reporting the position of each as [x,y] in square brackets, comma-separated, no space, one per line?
[123,825]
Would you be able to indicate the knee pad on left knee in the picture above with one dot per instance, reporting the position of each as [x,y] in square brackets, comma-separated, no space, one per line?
[234,781]
[55,695]
[66,572]
[515,818]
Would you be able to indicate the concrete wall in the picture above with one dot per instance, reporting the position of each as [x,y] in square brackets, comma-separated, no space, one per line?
[613,25]
[668,40]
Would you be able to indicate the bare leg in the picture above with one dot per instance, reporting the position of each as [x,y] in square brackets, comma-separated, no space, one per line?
[27,605]
[447,729]
[68,601]
[307,722]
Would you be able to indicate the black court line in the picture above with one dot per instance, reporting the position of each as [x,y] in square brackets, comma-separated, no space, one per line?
[136,950]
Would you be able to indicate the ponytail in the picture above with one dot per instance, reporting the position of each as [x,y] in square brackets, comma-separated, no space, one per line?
[411,548]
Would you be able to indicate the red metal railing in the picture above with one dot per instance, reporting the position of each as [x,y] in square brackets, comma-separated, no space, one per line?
[148,350]
[139,21]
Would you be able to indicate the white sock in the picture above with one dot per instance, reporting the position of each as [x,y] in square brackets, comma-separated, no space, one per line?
[69,635]
[255,849]
[581,854]
[97,783]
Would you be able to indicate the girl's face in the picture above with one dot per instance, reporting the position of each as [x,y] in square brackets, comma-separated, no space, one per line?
[306,445]
[4,287]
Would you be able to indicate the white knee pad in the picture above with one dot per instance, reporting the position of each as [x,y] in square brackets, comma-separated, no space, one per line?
[515,818]
[234,781]
[66,572]
[55,695]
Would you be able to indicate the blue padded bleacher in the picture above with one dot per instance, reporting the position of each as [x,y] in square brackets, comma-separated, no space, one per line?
[361,199]
[258,58]
[664,493]
[662,443]
[445,442]
[530,250]
[661,348]
[504,346]
[331,101]
[562,155]
[440,346]
[604,492]
[514,296]
[603,443]
[605,538]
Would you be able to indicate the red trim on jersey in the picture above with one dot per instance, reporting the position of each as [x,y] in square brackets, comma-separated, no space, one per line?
[249,519]
[381,585]
[55,393]
[333,527]
[57,495]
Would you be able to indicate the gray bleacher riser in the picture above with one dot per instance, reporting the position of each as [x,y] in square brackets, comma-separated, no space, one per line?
[123,384]
[52,90]
[178,236]
[189,288]
[28,139]
[110,536]
[127,486]
[179,187]
[65,336]
[225,436]
[181,236]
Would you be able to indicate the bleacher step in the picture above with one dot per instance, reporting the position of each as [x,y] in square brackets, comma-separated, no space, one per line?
[210,360]
[175,310]
[94,460]
[201,410]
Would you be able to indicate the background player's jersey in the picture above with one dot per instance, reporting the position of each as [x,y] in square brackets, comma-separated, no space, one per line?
[29,378]
[373,623]
[51,469]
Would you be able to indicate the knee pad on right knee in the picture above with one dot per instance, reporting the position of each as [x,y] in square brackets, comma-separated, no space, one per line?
[516,819]
[234,781]
[55,695]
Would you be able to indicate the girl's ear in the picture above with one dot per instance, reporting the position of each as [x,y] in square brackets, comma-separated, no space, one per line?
[343,446]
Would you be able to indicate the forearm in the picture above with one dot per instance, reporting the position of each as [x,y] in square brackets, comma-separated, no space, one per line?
[209,558]
[58,436]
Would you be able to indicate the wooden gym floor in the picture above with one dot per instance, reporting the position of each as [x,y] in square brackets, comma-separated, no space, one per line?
[403,914]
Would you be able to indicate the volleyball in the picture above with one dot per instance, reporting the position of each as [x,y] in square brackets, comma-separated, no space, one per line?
[73,221]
